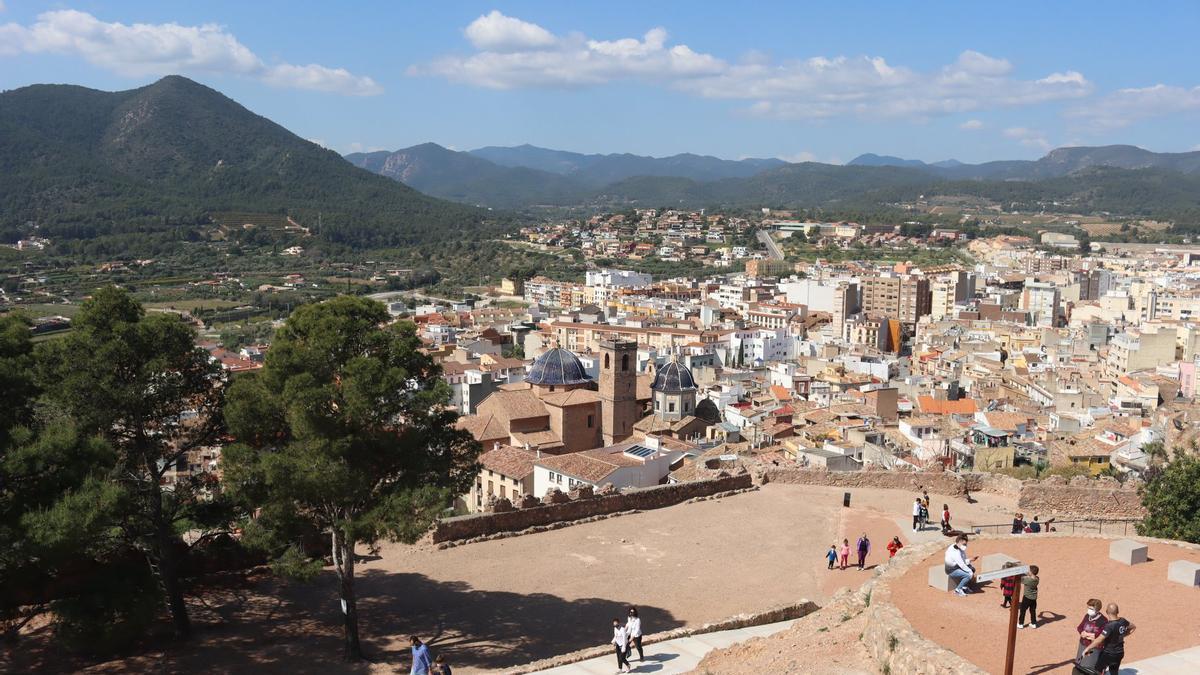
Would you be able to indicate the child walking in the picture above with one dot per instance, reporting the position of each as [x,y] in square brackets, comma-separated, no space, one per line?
[1007,586]
[831,555]
[845,552]
[1029,594]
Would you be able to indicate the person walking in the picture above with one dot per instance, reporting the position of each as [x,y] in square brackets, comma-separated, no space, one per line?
[421,664]
[620,641]
[441,666]
[894,547]
[831,555]
[916,513]
[633,629]
[1111,641]
[945,518]
[957,566]
[845,552]
[1029,596]
[1089,629]
[864,548]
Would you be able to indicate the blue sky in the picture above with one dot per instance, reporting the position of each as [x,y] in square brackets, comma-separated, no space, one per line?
[826,82]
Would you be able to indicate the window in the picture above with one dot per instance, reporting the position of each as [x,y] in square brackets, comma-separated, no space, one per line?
[657,405]
[551,387]
[491,487]
[591,421]
[671,407]
[624,362]
[687,407]
[606,361]
[503,491]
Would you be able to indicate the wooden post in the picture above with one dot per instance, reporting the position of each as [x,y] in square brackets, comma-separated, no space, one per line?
[1012,628]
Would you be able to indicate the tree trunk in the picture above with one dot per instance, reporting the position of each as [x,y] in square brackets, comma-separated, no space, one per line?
[343,562]
[168,568]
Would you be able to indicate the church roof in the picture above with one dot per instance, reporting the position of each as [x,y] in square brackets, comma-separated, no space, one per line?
[673,377]
[557,366]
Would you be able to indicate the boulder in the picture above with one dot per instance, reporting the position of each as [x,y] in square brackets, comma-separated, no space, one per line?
[528,502]
[502,505]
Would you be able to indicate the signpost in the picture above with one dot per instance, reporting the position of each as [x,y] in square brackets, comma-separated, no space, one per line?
[1017,572]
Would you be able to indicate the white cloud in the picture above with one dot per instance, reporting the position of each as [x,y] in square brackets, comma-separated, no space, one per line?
[1030,138]
[498,33]
[141,49]
[1126,106]
[511,54]
[971,125]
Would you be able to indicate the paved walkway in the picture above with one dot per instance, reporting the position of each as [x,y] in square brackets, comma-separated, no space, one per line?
[1183,662]
[681,655]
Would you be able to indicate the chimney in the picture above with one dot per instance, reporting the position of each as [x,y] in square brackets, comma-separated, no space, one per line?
[496,445]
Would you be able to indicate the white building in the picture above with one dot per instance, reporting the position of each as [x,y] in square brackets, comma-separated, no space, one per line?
[642,463]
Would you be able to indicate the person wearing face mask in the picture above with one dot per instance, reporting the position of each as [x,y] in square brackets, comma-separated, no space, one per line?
[958,567]
[620,641]
[1089,629]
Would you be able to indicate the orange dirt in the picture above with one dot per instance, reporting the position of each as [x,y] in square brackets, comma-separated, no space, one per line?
[1072,570]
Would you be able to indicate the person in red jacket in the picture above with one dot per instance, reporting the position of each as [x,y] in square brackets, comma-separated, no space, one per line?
[1089,629]
[1007,584]
[893,546]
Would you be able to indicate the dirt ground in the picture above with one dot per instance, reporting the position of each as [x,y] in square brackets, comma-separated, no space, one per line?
[510,601]
[1071,572]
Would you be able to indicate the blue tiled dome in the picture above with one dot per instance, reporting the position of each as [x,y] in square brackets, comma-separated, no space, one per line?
[673,377]
[557,366]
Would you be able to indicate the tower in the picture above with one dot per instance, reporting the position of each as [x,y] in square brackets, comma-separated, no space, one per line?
[618,389]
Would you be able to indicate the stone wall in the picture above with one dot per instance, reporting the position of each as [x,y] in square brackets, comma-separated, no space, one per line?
[775,614]
[1093,498]
[581,504]
[1055,496]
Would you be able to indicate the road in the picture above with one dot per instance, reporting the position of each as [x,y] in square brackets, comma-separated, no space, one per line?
[772,248]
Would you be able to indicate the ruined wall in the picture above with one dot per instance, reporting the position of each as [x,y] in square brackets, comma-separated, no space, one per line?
[580,504]
[1053,496]
[1102,498]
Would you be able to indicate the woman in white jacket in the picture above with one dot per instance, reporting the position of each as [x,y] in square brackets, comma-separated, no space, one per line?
[620,640]
[633,630]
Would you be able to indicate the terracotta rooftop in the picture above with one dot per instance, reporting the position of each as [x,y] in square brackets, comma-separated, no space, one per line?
[509,461]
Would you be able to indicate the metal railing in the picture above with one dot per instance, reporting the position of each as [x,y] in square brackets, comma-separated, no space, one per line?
[1125,526]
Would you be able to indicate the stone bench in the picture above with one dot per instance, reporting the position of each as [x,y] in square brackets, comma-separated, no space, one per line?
[940,580]
[1128,552]
[1184,572]
[995,562]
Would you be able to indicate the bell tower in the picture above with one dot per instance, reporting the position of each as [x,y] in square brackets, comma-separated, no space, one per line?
[618,390]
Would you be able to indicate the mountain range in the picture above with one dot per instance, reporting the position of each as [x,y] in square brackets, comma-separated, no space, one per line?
[154,162]
[1059,162]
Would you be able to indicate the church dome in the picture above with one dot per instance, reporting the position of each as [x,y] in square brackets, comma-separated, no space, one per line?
[673,377]
[557,366]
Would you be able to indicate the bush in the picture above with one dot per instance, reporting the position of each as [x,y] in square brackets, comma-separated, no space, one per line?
[114,613]
[1172,500]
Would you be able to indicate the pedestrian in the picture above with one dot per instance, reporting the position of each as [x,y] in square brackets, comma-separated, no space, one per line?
[1112,640]
[1029,596]
[441,666]
[864,548]
[925,498]
[957,566]
[620,641]
[421,665]
[633,628]
[1089,629]
[831,555]
[1007,586]
[924,516]
[1018,524]
[916,513]
[945,518]
[894,547]
[845,552]
[1035,526]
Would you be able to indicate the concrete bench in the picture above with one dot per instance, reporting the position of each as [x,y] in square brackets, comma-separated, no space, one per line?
[1184,572]
[939,579]
[995,562]
[1128,552]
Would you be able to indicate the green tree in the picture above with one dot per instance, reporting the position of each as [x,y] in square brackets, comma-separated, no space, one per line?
[344,432]
[140,383]
[1172,500]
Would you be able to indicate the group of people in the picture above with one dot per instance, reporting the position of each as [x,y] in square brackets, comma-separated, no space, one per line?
[1020,526]
[921,514]
[863,547]
[626,636]
[1101,634]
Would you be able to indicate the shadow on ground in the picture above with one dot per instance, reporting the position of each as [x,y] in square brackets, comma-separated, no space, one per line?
[267,626]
